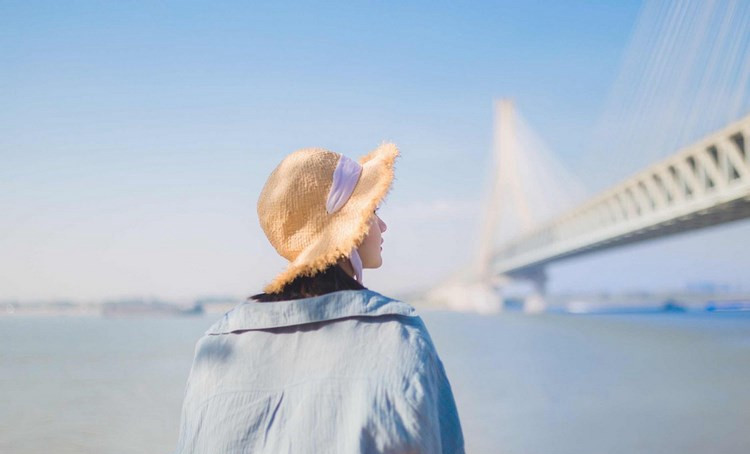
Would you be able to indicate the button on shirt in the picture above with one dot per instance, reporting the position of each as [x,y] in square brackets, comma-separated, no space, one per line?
[345,372]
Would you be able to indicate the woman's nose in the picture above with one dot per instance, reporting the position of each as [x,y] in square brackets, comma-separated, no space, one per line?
[383,227]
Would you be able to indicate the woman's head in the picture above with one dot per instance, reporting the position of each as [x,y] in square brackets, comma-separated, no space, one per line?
[319,207]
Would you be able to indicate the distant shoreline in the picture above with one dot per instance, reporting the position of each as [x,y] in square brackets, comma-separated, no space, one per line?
[561,303]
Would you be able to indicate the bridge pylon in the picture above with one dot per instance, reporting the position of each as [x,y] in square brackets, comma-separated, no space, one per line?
[508,195]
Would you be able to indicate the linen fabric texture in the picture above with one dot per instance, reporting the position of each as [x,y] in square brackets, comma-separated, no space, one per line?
[346,372]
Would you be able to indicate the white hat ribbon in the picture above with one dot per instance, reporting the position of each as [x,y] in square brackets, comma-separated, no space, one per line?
[345,178]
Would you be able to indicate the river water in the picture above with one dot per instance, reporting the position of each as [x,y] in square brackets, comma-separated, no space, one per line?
[548,383]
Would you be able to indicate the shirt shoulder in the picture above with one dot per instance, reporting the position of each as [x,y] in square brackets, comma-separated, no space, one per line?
[251,315]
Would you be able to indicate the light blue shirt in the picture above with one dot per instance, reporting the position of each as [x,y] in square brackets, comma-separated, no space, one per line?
[346,372]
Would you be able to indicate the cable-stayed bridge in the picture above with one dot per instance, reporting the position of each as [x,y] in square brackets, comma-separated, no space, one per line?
[678,108]
[704,184]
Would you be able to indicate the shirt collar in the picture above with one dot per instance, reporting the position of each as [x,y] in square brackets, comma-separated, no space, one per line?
[251,315]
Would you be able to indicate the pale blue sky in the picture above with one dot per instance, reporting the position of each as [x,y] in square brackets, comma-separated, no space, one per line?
[135,136]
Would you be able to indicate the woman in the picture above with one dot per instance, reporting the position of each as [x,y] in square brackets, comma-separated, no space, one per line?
[318,363]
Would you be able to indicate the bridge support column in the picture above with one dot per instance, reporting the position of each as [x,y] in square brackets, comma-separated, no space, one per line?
[535,303]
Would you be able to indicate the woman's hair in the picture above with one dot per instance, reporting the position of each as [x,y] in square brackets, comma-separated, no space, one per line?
[332,279]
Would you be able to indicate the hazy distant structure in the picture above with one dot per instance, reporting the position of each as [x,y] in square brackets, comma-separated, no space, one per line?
[678,111]
[529,186]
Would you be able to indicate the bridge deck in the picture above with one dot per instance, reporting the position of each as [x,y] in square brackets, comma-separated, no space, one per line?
[705,184]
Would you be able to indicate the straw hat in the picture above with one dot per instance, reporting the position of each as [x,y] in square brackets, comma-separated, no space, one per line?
[293,214]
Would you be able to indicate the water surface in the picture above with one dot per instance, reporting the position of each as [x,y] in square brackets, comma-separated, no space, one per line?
[551,383]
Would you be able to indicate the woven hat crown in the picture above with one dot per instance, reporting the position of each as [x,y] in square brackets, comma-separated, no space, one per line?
[291,207]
